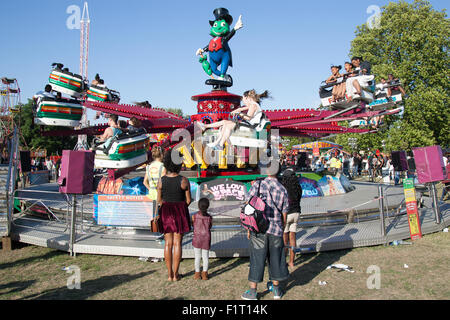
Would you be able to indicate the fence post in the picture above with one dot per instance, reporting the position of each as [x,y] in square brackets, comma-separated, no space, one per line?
[437,212]
[72,225]
[381,207]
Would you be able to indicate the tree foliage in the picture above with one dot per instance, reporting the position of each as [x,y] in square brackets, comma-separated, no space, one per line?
[412,43]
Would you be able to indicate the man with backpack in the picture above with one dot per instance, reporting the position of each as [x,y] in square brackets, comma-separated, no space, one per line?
[269,245]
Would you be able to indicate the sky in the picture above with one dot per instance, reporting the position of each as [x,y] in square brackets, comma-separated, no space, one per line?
[145,49]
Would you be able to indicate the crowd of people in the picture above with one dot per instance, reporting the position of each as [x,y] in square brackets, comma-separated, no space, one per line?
[349,84]
[372,164]
[357,76]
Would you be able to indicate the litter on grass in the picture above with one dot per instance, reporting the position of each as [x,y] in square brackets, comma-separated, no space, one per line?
[341,267]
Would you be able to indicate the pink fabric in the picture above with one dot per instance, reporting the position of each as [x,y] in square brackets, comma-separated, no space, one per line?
[202,232]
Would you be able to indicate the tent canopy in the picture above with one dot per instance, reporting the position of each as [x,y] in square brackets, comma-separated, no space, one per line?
[317,144]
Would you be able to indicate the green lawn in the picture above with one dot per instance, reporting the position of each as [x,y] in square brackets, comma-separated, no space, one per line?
[30,272]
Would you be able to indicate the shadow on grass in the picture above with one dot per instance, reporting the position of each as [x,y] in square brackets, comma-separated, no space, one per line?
[216,263]
[315,263]
[88,288]
[15,286]
[28,260]
[236,263]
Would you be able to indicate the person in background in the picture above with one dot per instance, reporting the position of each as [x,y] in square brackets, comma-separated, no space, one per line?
[356,164]
[37,98]
[202,223]
[101,84]
[123,125]
[96,80]
[335,165]
[113,129]
[134,126]
[362,79]
[382,88]
[346,165]
[153,172]
[335,75]
[58,168]
[50,167]
[393,80]
[291,183]
[174,197]
[319,165]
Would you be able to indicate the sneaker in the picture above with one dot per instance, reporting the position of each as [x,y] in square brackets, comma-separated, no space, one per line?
[277,292]
[270,286]
[249,295]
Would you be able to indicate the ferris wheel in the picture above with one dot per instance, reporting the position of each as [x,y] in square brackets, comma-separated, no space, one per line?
[9,104]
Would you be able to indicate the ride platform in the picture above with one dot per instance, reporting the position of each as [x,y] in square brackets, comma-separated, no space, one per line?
[337,222]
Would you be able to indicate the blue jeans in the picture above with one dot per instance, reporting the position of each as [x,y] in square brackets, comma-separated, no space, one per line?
[271,248]
[355,171]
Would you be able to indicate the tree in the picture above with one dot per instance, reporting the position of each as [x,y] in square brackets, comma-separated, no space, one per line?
[412,43]
[34,138]
[176,111]
[289,142]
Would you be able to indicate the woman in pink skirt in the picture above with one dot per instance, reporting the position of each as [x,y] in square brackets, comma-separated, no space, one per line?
[174,197]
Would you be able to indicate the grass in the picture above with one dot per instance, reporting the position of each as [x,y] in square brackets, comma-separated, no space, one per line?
[30,272]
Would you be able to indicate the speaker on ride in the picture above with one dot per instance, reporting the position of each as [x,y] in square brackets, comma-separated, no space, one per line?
[77,172]
[25,161]
[399,160]
[429,164]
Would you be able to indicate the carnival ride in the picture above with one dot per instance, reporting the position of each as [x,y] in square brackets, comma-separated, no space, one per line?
[126,152]
[164,129]
[213,106]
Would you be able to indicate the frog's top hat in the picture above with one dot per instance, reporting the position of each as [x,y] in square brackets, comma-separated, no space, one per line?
[222,14]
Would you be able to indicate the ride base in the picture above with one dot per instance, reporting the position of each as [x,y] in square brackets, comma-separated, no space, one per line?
[319,228]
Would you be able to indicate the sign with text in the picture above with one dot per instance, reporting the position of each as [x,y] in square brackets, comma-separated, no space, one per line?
[411,209]
[223,190]
[123,210]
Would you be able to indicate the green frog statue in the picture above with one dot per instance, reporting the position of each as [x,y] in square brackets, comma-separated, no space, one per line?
[219,51]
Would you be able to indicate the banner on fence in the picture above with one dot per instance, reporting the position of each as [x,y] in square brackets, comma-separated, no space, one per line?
[411,209]
[123,210]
